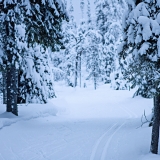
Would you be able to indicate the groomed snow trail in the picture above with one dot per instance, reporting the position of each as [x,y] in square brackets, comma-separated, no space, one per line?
[100,149]
[83,124]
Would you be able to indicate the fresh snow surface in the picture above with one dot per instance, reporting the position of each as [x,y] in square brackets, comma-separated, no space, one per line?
[80,124]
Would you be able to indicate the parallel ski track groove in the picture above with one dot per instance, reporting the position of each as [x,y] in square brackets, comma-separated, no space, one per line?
[105,149]
[99,141]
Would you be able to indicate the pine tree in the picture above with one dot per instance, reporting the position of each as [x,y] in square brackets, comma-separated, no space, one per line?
[66,57]
[101,18]
[31,22]
[80,46]
[44,19]
[89,20]
[140,54]
[36,79]
[94,56]
[75,46]
[109,23]
[43,33]
[11,18]
[93,49]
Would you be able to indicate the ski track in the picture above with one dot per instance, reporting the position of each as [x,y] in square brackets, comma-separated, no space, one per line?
[130,113]
[101,146]
[98,145]
[104,153]
[100,149]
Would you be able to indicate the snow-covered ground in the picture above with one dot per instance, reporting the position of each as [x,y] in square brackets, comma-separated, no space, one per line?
[80,124]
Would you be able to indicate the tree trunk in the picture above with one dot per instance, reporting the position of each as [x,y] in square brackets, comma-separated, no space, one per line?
[76,72]
[95,84]
[80,66]
[21,99]
[95,79]
[4,87]
[155,127]
[12,90]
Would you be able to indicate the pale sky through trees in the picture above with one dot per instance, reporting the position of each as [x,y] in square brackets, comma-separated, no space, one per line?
[76,5]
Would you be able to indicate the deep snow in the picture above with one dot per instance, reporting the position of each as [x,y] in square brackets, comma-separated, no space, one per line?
[81,124]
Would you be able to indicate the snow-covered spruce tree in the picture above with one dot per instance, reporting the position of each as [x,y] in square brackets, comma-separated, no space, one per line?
[43,33]
[64,65]
[57,64]
[109,50]
[70,52]
[40,22]
[141,51]
[11,20]
[43,23]
[80,49]
[94,56]
[36,79]
[74,44]
[101,18]
[92,47]
[64,61]
[89,18]
[109,23]
[109,17]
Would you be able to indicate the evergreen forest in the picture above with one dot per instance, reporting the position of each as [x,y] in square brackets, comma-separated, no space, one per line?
[117,44]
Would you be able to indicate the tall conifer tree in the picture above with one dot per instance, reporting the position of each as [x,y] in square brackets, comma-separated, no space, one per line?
[11,18]
[140,51]
[109,23]
[30,21]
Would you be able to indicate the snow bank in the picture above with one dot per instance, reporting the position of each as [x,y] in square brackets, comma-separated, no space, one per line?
[28,112]
[81,123]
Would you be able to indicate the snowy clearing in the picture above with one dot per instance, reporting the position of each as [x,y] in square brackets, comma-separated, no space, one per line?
[81,124]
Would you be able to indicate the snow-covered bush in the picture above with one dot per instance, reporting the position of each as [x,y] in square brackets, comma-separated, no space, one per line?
[36,79]
[118,82]
[140,48]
